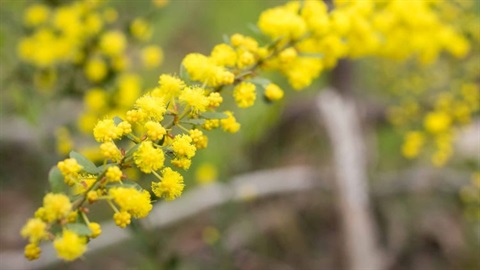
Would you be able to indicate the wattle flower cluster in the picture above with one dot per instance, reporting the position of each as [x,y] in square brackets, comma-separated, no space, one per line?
[85,41]
[161,132]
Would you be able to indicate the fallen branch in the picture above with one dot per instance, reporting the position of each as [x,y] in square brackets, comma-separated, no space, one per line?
[340,116]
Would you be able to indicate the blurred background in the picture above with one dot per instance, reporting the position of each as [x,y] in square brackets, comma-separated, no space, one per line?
[425,206]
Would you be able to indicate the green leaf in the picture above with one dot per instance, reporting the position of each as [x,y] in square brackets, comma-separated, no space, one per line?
[55,178]
[117,120]
[87,165]
[125,183]
[226,39]
[184,73]
[196,122]
[214,115]
[254,28]
[263,82]
[79,228]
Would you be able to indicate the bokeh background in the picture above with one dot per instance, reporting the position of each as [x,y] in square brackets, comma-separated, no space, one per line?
[427,216]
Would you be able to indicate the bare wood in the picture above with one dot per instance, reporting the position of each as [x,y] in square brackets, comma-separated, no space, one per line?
[340,116]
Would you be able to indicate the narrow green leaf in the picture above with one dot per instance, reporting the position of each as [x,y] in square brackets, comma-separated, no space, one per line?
[55,178]
[214,115]
[79,228]
[193,121]
[87,165]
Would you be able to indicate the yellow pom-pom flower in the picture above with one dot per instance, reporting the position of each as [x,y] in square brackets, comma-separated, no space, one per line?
[413,143]
[32,251]
[111,151]
[170,187]
[113,43]
[195,98]
[211,124]
[34,230]
[198,138]
[214,99]
[245,94]
[95,228]
[69,166]
[170,87]
[134,116]
[36,15]
[96,99]
[182,146]
[114,174]
[153,107]
[203,69]
[140,29]
[230,124]
[281,22]
[135,202]
[152,56]
[106,131]
[437,122]
[224,55]
[273,92]
[56,207]
[206,173]
[182,162]
[70,170]
[70,246]
[148,158]
[96,70]
[122,219]
[155,130]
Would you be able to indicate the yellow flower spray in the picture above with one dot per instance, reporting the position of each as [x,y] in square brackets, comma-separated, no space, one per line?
[166,126]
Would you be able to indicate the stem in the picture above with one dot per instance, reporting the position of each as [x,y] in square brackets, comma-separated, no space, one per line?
[109,201]
[78,204]
[182,128]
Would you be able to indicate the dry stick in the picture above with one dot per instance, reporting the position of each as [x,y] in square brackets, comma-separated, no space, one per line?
[340,116]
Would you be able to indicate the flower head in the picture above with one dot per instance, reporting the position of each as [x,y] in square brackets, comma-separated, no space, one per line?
[170,187]
[32,251]
[273,92]
[113,43]
[244,94]
[56,207]
[182,146]
[106,131]
[152,106]
[70,246]
[34,230]
[148,158]
[170,87]
[135,202]
[195,98]
[230,124]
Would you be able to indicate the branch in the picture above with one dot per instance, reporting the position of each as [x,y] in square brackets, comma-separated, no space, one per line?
[340,116]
